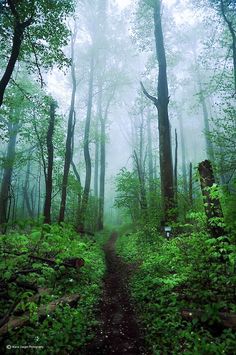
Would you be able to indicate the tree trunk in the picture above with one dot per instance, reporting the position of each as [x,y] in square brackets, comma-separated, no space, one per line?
[176,166]
[50,151]
[98,118]
[150,154]
[166,165]
[191,184]
[207,130]
[165,151]
[183,153]
[7,173]
[26,192]
[39,192]
[19,29]
[143,197]
[103,121]
[212,204]
[102,174]
[85,197]
[69,138]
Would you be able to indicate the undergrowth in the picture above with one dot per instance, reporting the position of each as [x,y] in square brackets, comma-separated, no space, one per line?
[193,272]
[68,328]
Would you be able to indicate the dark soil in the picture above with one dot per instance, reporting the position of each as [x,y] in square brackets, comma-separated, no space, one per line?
[119,332]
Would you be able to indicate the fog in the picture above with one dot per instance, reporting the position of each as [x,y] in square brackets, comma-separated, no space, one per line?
[111,49]
[119,147]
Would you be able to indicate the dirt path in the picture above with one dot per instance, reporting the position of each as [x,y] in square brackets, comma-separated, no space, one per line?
[119,332]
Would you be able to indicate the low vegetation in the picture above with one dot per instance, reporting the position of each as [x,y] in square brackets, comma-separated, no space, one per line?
[189,273]
[42,267]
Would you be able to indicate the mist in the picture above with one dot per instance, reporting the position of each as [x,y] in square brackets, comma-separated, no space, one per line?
[118,138]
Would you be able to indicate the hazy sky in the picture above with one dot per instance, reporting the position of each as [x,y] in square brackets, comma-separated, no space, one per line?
[123,3]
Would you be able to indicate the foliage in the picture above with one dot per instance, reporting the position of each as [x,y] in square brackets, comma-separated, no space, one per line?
[67,328]
[128,192]
[188,272]
[46,34]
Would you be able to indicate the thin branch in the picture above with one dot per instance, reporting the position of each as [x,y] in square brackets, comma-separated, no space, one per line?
[75,172]
[36,61]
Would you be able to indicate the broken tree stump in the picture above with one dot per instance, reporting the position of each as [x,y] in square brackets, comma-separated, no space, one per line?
[212,204]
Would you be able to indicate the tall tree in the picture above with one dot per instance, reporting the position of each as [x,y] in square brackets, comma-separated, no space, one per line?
[207,130]
[103,122]
[50,155]
[40,19]
[150,153]
[70,132]
[183,151]
[87,157]
[161,103]
[13,129]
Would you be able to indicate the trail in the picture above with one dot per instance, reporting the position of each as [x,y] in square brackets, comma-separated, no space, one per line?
[119,332]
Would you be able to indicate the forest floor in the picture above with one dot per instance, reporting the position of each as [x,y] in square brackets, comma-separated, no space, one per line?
[119,332]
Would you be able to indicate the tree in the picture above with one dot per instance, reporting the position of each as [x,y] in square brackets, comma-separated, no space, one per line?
[161,103]
[70,133]
[36,28]
[127,188]
[14,114]
[13,128]
[226,11]
[50,151]
[103,122]
[87,157]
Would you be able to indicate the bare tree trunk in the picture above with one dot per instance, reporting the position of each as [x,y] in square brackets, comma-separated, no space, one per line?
[183,152]
[102,174]
[19,29]
[98,118]
[176,166]
[7,173]
[103,121]
[85,197]
[150,154]
[166,164]
[33,199]
[207,130]
[26,192]
[191,184]
[50,151]
[69,138]
[39,191]
[143,197]
[15,207]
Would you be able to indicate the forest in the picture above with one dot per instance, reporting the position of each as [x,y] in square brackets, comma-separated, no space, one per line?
[118,177]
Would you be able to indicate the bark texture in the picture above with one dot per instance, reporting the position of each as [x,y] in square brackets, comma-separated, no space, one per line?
[69,137]
[50,151]
[84,202]
[161,102]
[19,29]
[7,173]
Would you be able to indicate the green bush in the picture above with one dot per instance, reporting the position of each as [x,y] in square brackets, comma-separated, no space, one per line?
[187,272]
[67,328]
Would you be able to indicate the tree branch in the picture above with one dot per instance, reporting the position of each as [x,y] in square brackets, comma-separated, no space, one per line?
[36,62]
[150,97]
